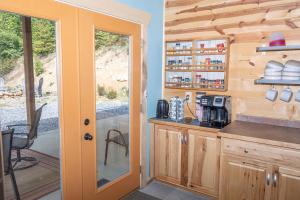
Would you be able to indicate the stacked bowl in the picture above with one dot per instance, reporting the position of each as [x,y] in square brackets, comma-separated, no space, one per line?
[273,70]
[291,71]
[277,71]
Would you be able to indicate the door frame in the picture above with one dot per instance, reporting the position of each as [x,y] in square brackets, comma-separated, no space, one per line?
[68,85]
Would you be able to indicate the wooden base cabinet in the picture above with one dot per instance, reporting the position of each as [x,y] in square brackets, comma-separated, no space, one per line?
[288,186]
[168,146]
[188,158]
[243,179]
[274,175]
[203,162]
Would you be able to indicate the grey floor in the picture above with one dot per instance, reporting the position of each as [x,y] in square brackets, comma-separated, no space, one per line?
[162,191]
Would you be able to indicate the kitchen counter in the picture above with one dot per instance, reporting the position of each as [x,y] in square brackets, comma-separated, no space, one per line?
[193,125]
[263,133]
[248,131]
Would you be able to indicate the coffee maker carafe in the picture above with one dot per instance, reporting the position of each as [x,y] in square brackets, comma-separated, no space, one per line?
[216,111]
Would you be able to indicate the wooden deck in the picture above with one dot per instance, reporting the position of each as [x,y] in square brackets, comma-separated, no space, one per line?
[36,181]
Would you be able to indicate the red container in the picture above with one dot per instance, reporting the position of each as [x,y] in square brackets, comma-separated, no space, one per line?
[277,43]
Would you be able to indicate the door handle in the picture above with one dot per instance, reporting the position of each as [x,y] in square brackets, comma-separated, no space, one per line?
[275,178]
[268,178]
[88,136]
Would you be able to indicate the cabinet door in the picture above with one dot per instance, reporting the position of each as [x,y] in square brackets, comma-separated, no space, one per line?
[286,184]
[168,153]
[244,180]
[203,162]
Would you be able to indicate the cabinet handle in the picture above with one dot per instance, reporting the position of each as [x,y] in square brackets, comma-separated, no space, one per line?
[275,177]
[268,178]
[181,138]
[185,139]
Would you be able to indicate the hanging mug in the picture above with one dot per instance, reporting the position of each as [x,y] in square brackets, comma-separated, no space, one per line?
[286,95]
[272,94]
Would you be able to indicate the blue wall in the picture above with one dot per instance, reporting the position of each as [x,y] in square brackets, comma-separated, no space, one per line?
[155,42]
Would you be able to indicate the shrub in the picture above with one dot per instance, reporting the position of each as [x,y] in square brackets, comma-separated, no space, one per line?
[111,94]
[101,90]
[6,66]
[38,68]
[10,51]
[43,36]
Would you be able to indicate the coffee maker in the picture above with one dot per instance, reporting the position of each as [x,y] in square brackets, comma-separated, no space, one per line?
[216,111]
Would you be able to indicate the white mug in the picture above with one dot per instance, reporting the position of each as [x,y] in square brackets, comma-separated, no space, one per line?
[271,94]
[286,95]
[298,96]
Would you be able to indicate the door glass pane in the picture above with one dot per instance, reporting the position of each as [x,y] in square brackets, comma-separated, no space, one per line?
[29,95]
[112,105]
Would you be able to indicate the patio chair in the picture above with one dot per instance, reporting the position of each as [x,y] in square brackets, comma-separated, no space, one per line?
[24,139]
[7,137]
[120,139]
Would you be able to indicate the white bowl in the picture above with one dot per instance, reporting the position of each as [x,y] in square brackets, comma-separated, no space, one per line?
[274,64]
[267,73]
[272,77]
[267,70]
[290,73]
[292,63]
[291,69]
[291,78]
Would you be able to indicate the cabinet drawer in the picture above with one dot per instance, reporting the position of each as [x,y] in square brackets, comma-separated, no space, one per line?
[276,155]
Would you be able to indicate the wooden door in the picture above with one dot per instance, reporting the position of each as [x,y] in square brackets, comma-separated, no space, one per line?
[168,149]
[203,162]
[286,184]
[244,179]
[99,181]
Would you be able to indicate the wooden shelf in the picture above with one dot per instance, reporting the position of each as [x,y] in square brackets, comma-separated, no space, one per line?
[193,70]
[174,50]
[278,48]
[196,88]
[190,54]
[208,54]
[263,81]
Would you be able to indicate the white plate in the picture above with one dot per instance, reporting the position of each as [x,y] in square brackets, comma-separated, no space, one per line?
[274,64]
[272,77]
[290,73]
[291,78]
[273,73]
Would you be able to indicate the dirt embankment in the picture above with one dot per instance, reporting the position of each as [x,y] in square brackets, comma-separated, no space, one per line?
[111,71]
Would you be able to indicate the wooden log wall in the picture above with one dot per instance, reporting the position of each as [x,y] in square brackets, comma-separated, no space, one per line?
[248,24]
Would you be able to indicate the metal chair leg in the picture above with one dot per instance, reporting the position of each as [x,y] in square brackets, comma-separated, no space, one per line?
[14,183]
[106,147]
[19,159]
